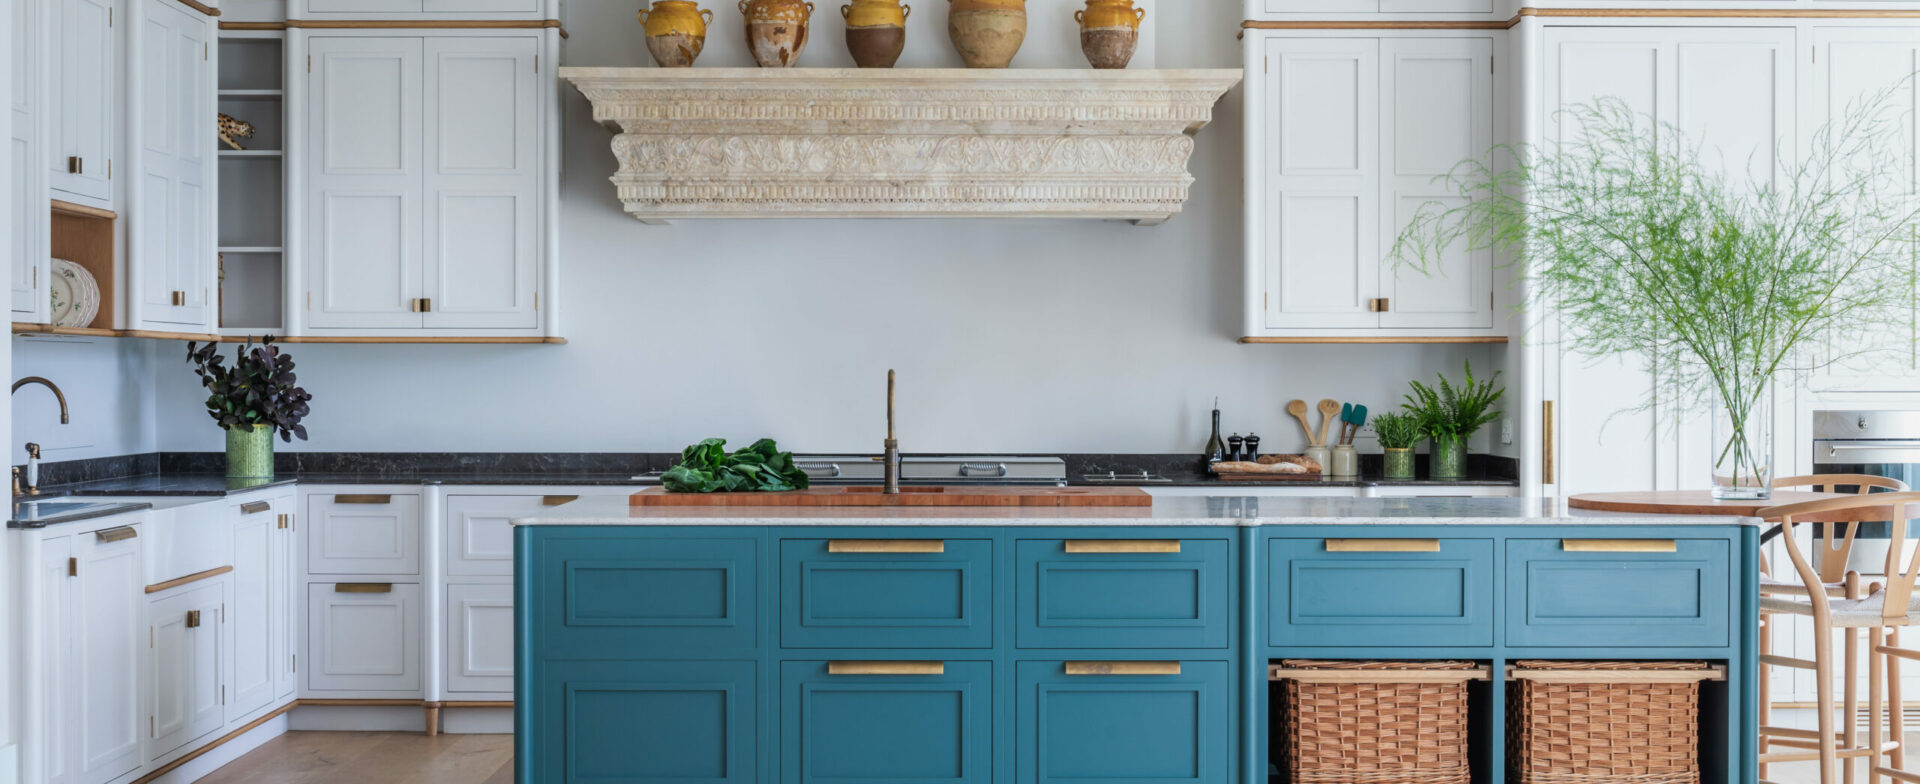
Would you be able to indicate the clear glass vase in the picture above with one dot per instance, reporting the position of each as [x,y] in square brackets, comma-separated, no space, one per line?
[1449,458]
[1742,440]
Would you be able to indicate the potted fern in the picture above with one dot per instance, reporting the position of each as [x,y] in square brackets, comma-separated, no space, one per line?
[1450,415]
[1398,433]
[251,400]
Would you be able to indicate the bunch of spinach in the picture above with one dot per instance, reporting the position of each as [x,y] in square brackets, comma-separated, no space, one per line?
[707,467]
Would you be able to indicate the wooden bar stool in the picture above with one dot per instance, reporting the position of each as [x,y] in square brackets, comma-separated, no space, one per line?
[1835,553]
[1879,612]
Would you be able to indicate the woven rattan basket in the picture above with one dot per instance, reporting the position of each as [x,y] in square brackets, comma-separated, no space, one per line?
[1375,722]
[1606,722]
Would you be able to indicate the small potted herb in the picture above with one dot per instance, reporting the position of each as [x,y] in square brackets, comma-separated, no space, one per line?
[1398,433]
[1450,416]
[251,401]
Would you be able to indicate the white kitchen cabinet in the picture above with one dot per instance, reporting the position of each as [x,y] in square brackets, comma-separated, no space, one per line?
[480,640]
[1731,90]
[383,9]
[261,611]
[363,534]
[479,538]
[102,686]
[1284,9]
[364,638]
[425,185]
[82,98]
[171,257]
[189,664]
[27,249]
[1345,138]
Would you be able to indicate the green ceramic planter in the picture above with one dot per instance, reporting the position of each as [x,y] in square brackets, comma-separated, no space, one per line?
[1449,460]
[1398,464]
[250,452]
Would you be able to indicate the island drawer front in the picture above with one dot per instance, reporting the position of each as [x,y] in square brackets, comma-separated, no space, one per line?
[636,597]
[1380,592]
[841,593]
[1165,729]
[875,729]
[349,533]
[1123,593]
[365,637]
[1580,592]
[657,721]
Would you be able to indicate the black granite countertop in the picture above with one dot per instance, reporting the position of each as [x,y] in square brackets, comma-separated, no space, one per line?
[33,513]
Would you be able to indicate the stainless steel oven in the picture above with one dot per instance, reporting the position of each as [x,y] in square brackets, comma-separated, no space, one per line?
[1877,443]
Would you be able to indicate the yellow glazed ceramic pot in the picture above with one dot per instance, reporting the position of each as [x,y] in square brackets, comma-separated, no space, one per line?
[776,30]
[876,31]
[988,33]
[676,31]
[1109,31]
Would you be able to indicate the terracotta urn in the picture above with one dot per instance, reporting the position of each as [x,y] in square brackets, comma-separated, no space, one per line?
[776,30]
[876,31]
[1109,31]
[988,32]
[676,31]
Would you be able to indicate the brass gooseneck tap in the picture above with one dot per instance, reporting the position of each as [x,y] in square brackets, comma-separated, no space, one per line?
[33,449]
[892,457]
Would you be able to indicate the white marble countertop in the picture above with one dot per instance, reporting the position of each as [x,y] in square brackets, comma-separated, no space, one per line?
[1166,511]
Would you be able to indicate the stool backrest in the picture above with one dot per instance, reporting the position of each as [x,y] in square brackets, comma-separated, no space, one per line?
[1896,507]
[1835,554]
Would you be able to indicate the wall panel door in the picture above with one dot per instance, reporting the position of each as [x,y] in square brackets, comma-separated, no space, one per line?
[172,232]
[109,590]
[364,637]
[480,639]
[87,57]
[189,668]
[259,587]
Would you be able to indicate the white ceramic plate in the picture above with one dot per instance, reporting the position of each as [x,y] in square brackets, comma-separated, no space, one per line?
[74,295]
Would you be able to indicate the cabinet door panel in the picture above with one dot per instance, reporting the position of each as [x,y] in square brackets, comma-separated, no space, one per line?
[1122,600]
[1151,729]
[83,130]
[482,182]
[1323,183]
[654,722]
[886,600]
[364,641]
[187,668]
[256,585]
[881,729]
[171,236]
[365,182]
[28,175]
[107,600]
[481,6]
[479,536]
[1439,111]
[631,596]
[1575,599]
[1317,596]
[363,538]
[480,638]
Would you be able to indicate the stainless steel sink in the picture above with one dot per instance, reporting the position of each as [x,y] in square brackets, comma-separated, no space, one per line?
[36,512]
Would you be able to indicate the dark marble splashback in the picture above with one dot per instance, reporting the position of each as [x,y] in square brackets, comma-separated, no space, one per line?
[93,469]
[1187,468]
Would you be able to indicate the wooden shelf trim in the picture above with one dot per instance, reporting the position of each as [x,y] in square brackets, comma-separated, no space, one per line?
[253,25]
[27,328]
[191,578]
[428,24]
[201,7]
[83,210]
[1385,340]
[1584,13]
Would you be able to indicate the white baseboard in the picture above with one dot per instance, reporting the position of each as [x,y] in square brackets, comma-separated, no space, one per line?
[344,718]
[227,752]
[9,765]
[477,721]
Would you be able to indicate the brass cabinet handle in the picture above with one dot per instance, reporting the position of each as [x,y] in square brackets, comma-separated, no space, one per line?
[1122,545]
[1619,546]
[556,500]
[120,534]
[255,507]
[1383,545]
[363,587]
[179,298]
[886,545]
[423,305]
[363,499]
[75,165]
[1546,442]
[1381,305]
[1122,668]
[283,521]
[886,668]
[193,619]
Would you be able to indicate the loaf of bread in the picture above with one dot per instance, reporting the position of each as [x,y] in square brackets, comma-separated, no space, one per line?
[1244,467]
[1313,466]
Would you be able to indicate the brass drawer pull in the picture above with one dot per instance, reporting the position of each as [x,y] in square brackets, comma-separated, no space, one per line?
[367,500]
[193,619]
[886,668]
[363,587]
[1619,546]
[886,545]
[283,521]
[255,507]
[1084,546]
[120,534]
[1122,668]
[1383,545]
[556,500]
[179,298]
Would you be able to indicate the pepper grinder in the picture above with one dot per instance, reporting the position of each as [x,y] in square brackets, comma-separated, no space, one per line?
[1234,444]
[1253,448]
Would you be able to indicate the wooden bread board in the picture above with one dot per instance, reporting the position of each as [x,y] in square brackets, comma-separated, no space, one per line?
[1269,477]
[869,496]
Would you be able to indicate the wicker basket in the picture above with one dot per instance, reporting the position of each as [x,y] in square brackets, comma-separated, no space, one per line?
[1376,722]
[1606,722]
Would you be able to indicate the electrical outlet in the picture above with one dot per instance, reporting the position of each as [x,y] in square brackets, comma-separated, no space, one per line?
[1506,431]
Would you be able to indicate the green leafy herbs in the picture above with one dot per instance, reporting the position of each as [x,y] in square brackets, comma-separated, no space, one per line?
[1450,412]
[707,467]
[1397,430]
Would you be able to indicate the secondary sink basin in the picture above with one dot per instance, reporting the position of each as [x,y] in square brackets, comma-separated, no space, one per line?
[34,512]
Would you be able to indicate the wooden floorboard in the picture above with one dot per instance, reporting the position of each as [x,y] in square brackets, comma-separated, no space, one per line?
[373,758]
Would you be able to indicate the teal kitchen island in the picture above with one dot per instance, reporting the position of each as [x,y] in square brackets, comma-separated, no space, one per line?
[735,645]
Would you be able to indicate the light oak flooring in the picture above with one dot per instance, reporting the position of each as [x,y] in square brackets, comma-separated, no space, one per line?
[373,758]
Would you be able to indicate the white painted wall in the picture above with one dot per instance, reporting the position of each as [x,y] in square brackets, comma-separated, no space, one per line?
[1008,335]
[110,389]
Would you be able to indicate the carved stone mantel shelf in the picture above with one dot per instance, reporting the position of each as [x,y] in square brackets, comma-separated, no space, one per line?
[903,143]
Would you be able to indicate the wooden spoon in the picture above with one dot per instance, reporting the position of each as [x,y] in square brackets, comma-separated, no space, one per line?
[1298,409]
[1329,409]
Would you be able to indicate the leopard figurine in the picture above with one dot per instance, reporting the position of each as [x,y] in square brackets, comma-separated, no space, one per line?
[230,128]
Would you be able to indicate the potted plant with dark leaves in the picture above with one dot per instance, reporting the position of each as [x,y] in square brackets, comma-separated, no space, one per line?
[251,400]
[1450,415]
[1398,433]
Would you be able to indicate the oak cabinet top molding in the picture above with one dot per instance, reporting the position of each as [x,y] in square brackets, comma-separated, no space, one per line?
[862,143]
